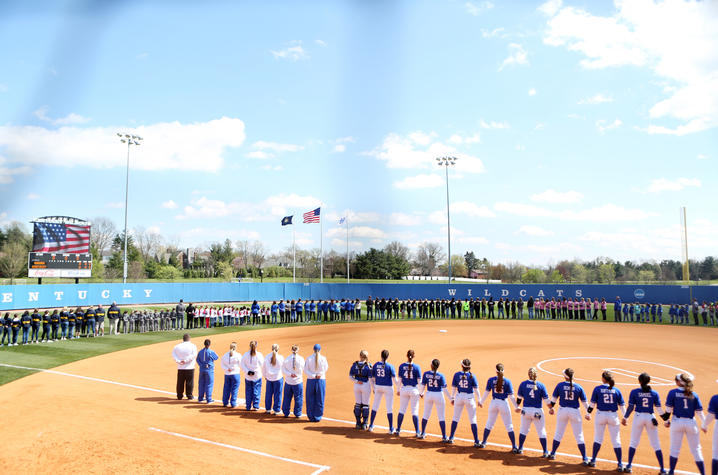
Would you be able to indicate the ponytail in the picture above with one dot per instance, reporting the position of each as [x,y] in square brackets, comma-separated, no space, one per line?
[232,347]
[410,355]
[500,378]
[533,374]
[384,355]
[435,365]
[568,372]
[644,379]
[687,385]
[295,348]
[364,356]
[608,377]
[253,347]
[275,348]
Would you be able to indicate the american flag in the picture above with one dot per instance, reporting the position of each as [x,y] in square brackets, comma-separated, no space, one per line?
[312,216]
[55,237]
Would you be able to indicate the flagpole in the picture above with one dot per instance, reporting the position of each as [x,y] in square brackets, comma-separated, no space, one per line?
[294,255]
[347,219]
[321,249]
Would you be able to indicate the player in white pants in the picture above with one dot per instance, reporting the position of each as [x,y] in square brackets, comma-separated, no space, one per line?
[606,399]
[501,390]
[465,393]
[533,394]
[569,396]
[712,414]
[360,374]
[382,380]
[685,405]
[409,375]
[645,400]
[433,385]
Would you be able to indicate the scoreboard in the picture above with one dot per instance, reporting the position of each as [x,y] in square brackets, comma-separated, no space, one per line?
[51,264]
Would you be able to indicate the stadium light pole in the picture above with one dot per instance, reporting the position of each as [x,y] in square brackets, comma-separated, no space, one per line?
[129,140]
[446,162]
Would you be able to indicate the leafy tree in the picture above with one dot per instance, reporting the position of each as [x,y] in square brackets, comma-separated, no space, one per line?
[606,274]
[13,259]
[533,276]
[555,277]
[471,262]
[376,264]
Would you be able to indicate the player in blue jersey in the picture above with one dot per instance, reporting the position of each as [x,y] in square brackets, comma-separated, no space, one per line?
[685,406]
[409,375]
[383,378]
[533,394]
[645,401]
[712,415]
[433,385]
[569,396]
[360,374]
[501,390]
[465,393]
[606,399]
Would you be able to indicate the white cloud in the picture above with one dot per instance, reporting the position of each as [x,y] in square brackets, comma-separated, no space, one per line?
[115,205]
[540,126]
[166,145]
[471,240]
[520,148]
[293,52]
[321,43]
[360,232]
[202,235]
[553,196]
[340,147]
[471,209]
[517,55]
[550,7]
[596,99]
[521,209]
[603,125]
[3,88]
[534,231]
[493,124]
[154,230]
[277,147]
[459,139]
[605,213]
[354,217]
[271,208]
[169,204]
[403,219]
[476,10]
[33,196]
[420,150]
[419,181]
[70,119]
[664,184]
[258,154]
[7,172]
[702,156]
[493,33]
[532,91]
[142,56]
[676,39]
[273,168]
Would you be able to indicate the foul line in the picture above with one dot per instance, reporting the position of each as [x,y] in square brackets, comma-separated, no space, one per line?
[320,468]
[341,421]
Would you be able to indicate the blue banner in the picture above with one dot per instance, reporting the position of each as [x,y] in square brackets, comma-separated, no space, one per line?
[15,297]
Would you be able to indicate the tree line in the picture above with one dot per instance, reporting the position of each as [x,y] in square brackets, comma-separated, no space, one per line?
[152,256]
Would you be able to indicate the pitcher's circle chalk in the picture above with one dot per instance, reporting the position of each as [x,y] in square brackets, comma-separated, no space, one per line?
[443,331]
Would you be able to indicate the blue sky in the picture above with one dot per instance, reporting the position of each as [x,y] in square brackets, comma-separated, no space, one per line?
[580,128]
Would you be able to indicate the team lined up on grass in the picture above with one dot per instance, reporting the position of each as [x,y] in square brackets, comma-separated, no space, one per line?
[681,408]
[68,324]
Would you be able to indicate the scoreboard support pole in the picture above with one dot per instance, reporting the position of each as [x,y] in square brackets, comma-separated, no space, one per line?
[39,281]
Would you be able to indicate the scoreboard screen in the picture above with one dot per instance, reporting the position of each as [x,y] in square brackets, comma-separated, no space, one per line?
[51,264]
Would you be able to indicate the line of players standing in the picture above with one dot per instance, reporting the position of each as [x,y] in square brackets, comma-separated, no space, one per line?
[682,406]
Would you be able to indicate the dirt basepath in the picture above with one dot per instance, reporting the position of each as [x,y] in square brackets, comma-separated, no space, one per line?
[61,424]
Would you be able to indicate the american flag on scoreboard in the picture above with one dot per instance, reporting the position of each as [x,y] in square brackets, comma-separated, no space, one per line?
[312,216]
[55,237]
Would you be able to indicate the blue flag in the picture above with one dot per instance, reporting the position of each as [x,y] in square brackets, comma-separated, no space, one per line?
[341,221]
[287,220]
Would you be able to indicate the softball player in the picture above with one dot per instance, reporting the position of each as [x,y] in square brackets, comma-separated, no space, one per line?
[293,370]
[569,395]
[433,384]
[606,399]
[712,414]
[644,400]
[409,374]
[685,405]
[360,374]
[533,394]
[465,384]
[252,362]
[382,380]
[500,389]
[273,373]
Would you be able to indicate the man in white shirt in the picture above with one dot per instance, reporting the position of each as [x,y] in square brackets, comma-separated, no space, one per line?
[185,354]
[316,368]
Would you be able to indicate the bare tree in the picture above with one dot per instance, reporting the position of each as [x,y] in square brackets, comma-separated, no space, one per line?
[148,242]
[257,254]
[397,249]
[102,233]
[242,254]
[13,259]
[428,256]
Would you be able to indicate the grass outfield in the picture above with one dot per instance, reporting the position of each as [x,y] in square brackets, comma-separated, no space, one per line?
[51,355]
